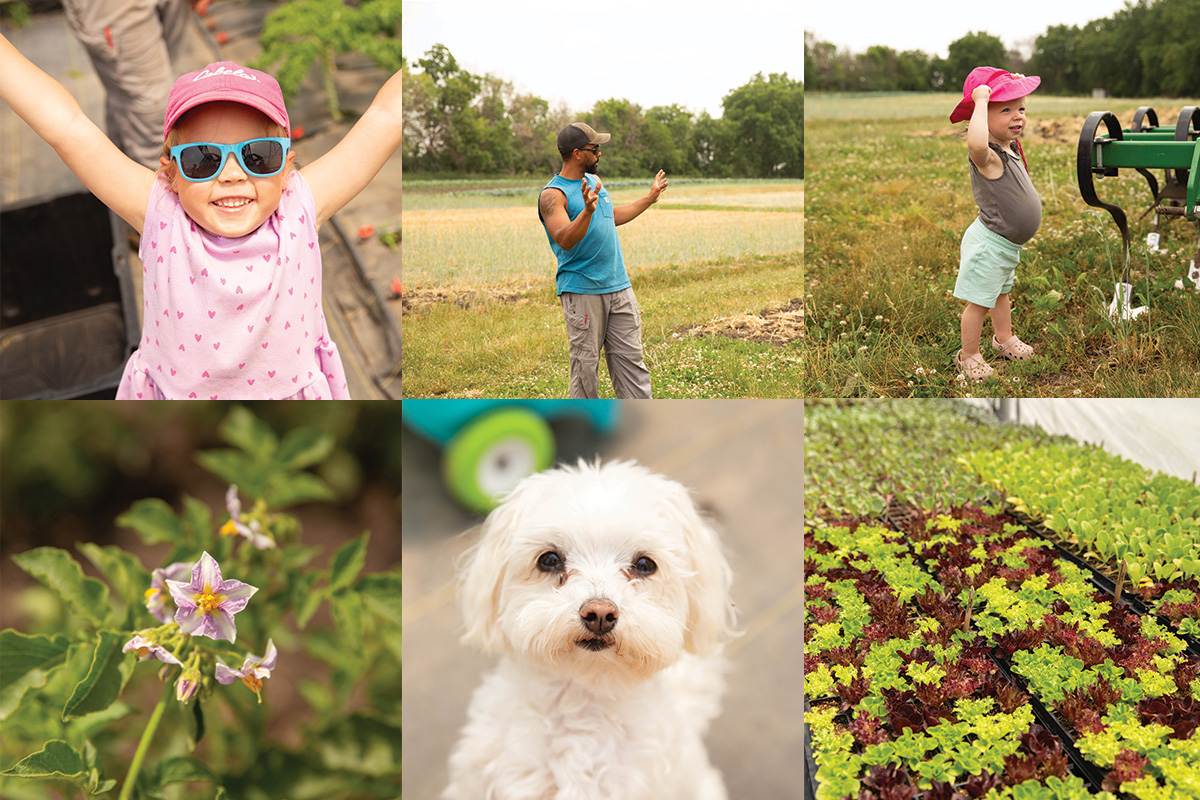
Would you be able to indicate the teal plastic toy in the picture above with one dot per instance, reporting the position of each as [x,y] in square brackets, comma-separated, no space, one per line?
[488,446]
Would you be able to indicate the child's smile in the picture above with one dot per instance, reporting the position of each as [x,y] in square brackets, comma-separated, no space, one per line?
[1006,121]
[232,204]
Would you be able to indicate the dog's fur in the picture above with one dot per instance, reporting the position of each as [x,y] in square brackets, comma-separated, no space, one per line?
[578,714]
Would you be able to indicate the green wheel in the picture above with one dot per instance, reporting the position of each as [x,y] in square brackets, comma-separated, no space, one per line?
[493,453]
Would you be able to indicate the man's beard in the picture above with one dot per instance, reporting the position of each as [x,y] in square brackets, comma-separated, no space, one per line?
[591,168]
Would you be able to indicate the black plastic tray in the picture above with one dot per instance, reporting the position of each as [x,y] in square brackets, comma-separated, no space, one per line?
[68,317]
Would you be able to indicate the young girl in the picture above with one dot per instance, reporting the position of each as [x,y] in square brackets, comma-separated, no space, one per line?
[231,261]
[1010,212]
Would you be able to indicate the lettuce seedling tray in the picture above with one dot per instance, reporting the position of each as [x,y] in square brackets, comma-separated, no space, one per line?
[889,631]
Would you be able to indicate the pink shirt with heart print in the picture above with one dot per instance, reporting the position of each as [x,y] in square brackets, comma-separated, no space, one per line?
[233,318]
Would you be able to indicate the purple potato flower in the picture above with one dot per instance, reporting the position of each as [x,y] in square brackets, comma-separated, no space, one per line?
[252,532]
[254,670]
[158,588]
[207,604]
[147,649]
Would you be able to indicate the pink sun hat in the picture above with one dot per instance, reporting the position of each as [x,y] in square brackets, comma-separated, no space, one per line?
[228,82]
[1005,86]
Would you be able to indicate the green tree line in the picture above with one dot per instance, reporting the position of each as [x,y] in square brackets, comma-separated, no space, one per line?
[1150,48]
[462,123]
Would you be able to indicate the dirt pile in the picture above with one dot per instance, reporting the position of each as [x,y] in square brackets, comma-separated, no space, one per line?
[781,325]
[417,299]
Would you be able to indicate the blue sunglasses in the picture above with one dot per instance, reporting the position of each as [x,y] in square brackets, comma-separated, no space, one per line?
[203,161]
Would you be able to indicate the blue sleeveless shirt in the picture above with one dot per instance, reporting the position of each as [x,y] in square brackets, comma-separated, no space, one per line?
[595,264]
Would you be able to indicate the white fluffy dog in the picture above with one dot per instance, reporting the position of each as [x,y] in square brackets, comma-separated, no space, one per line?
[608,597]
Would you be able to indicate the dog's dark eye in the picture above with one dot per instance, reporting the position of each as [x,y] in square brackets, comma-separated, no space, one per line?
[550,562]
[645,566]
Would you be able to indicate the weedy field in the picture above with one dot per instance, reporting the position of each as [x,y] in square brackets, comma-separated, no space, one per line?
[887,201]
[717,267]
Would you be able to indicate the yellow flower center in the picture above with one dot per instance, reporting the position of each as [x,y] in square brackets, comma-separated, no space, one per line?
[150,593]
[253,683]
[142,651]
[229,529]
[207,601]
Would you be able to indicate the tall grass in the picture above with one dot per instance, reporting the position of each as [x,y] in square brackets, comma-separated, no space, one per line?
[887,202]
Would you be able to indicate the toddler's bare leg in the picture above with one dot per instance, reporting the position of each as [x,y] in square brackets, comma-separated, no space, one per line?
[972,327]
[1001,315]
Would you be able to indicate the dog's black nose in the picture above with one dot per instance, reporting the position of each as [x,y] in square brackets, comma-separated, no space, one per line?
[599,616]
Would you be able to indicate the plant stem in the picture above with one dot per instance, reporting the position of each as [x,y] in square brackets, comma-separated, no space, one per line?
[135,766]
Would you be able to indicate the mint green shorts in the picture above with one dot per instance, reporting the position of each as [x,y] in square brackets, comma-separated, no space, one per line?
[986,267]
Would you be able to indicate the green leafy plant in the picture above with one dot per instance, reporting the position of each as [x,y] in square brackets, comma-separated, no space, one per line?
[231,601]
[299,34]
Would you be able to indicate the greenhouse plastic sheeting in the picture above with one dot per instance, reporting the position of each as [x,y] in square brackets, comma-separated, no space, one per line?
[1163,435]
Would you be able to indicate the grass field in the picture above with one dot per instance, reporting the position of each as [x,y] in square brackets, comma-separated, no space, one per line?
[714,266]
[888,198]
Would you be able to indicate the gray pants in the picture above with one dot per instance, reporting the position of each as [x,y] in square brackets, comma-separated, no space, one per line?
[611,321]
[130,44]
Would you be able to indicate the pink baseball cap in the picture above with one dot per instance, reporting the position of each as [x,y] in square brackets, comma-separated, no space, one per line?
[229,82]
[1005,86]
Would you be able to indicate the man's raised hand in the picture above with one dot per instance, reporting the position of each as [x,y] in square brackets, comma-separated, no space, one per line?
[590,199]
[659,186]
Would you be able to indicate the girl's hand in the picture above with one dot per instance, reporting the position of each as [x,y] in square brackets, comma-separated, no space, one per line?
[981,93]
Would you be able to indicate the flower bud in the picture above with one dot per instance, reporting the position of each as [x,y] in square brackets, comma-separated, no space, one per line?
[186,686]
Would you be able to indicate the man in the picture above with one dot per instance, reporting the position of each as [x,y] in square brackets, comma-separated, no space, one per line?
[597,297]
[130,43]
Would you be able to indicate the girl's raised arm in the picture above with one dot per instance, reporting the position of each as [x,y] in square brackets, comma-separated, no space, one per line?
[336,177]
[121,183]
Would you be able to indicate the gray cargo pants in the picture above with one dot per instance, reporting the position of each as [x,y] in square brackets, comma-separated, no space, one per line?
[611,321]
[130,43]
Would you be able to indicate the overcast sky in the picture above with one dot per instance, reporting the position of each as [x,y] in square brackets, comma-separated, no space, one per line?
[652,52]
[931,25]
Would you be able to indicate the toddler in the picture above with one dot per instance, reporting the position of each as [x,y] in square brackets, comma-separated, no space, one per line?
[231,260]
[1010,212]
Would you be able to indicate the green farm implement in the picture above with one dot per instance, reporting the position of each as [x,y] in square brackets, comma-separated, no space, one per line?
[1144,146]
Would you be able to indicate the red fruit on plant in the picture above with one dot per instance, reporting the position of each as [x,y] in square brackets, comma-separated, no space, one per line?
[211,23]
[297,132]
[222,37]
[397,287]
[366,231]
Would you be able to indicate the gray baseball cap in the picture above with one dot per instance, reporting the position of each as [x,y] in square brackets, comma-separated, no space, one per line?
[577,135]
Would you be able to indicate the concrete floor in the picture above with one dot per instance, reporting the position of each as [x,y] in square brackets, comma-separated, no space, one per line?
[743,461]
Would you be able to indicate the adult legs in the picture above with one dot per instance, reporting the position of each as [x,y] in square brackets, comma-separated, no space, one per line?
[623,347]
[584,315]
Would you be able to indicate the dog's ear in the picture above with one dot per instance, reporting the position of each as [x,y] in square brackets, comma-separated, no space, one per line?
[711,616]
[481,580]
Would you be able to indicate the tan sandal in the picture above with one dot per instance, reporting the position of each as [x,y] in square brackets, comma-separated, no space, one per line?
[974,368]
[1014,349]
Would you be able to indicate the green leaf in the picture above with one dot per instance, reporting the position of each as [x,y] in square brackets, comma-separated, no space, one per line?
[382,593]
[25,662]
[105,679]
[348,562]
[181,769]
[348,616]
[87,597]
[245,431]
[194,718]
[303,448]
[197,519]
[56,761]
[308,606]
[154,521]
[288,490]
[124,571]
[234,466]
